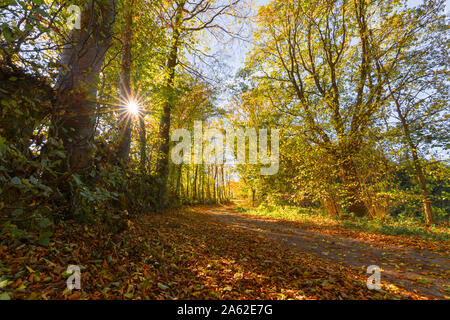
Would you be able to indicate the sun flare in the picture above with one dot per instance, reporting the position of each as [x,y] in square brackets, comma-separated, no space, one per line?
[133,107]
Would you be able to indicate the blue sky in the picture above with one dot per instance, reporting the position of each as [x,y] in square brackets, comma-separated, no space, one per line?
[239,49]
[233,53]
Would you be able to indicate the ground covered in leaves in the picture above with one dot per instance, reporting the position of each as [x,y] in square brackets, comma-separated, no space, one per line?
[408,264]
[181,254]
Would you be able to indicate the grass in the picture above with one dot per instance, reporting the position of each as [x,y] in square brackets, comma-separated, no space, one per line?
[405,226]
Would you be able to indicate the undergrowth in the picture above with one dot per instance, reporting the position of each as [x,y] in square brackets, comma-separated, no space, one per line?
[405,226]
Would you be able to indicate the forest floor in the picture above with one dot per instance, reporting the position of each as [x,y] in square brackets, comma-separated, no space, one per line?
[420,267]
[214,252]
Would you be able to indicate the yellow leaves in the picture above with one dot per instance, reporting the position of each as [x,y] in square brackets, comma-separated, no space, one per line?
[29,269]
[228,288]
[4,283]
[424,281]
[240,265]
[238,275]
[5,296]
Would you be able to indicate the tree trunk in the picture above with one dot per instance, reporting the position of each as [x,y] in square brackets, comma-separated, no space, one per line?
[187,182]
[82,59]
[419,171]
[195,182]
[125,84]
[352,186]
[203,184]
[214,183]
[177,188]
[143,143]
[417,166]
[208,183]
[253,197]
[164,125]
[423,186]
[224,190]
[181,181]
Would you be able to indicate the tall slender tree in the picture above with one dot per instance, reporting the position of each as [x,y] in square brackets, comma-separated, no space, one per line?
[126,94]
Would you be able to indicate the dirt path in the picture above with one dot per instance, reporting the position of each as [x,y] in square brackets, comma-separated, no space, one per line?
[417,271]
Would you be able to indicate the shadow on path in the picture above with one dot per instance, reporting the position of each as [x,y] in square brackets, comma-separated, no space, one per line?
[418,271]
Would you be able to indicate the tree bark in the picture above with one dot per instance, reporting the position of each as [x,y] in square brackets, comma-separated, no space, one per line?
[82,59]
[352,187]
[203,184]
[143,143]
[223,184]
[417,166]
[195,182]
[215,183]
[187,181]
[125,118]
[208,183]
[177,188]
[164,125]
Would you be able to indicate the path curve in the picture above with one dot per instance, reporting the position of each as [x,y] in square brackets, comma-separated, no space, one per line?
[422,272]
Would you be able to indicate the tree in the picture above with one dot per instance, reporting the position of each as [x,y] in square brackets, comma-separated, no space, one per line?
[126,95]
[82,60]
[164,126]
[323,59]
[184,19]
[419,91]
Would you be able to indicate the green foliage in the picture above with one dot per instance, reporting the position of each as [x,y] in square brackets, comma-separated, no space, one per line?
[347,131]
[390,226]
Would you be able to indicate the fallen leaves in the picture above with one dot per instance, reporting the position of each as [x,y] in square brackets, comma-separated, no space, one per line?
[182,254]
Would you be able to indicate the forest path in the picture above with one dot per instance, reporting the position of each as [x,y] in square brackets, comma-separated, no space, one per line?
[419,271]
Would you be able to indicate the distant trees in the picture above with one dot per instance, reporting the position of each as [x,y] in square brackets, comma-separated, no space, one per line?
[184,19]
